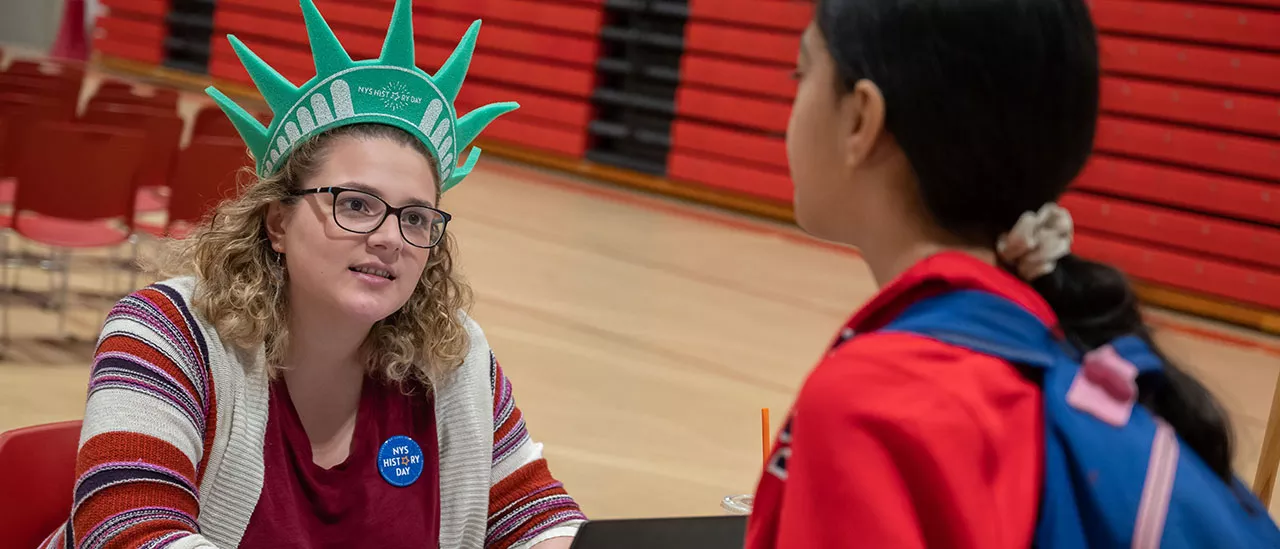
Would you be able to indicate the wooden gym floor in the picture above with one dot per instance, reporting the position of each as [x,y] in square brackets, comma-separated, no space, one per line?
[642,335]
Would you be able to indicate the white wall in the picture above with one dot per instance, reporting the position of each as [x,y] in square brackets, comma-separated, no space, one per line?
[30,23]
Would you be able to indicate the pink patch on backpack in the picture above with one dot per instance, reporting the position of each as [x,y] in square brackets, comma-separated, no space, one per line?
[1106,387]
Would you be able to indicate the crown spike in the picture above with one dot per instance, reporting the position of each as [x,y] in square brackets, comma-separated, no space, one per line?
[329,55]
[476,121]
[398,48]
[250,129]
[274,88]
[463,171]
[454,70]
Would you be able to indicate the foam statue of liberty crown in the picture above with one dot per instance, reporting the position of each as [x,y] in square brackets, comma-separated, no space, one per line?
[389,90]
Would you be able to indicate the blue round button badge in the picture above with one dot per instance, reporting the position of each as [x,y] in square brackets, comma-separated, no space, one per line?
[400,461]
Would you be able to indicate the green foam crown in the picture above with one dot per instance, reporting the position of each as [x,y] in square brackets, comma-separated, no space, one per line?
[388,90]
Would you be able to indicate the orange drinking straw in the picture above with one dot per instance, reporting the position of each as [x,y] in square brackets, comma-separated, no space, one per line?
[764,434]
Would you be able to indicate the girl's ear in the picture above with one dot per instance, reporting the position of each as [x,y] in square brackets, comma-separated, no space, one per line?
[862,113]
[277,216]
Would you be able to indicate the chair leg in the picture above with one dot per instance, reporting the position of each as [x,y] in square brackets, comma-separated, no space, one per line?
[7,289]
[109,274]
[64,301]
[51,265]
[18,256]
[133,266]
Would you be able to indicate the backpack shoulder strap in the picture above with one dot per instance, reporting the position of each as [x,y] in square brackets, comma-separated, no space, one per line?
[984,323]
[988,324]
[1137,352]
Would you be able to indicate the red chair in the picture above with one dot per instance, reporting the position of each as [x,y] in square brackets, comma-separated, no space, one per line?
[75,190]
[37,478]
[204,174]
[122,93]
[20,113]
[163,129]
[66,69]
[24,83]
[23,112]
[50,78]
[211,121]
[65,94]
[7,188]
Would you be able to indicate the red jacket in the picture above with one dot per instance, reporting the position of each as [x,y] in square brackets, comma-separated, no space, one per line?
[900,442]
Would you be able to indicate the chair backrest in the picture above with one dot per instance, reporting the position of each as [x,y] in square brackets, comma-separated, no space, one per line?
[67,70]
[22,112]
[211,121]
[49,80]
[33,105]
[67,94]
[37,478]
[25,83]
[122,114]
[163,129]
[78,172]
[122,93]
[204,174]
[4,138]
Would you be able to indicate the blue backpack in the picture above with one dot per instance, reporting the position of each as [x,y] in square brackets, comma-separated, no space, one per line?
[1116,475]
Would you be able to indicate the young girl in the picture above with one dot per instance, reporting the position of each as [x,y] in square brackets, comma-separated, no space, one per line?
[312,379]
[935,136]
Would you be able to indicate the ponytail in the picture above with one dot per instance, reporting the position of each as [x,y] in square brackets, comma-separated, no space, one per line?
[1095,304]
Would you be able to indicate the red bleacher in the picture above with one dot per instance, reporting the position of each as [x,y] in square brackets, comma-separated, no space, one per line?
[1184,189]
[132,29]
[1188,146]
[735,95]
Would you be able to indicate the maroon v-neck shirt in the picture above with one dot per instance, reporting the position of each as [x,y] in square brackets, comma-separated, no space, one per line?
[305,506]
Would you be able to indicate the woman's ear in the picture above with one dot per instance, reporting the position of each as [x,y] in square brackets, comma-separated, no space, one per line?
[862,113]
[277,216]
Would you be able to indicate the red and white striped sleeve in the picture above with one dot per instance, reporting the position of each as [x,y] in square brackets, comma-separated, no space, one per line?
[526,504]
[148,429]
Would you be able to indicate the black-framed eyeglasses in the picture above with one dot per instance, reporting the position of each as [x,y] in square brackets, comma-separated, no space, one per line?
[363,213]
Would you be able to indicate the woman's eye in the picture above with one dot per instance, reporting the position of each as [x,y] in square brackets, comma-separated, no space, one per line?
[413,219]
[353,204]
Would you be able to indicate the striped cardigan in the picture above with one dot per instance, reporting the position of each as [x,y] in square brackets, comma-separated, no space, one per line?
[171,452]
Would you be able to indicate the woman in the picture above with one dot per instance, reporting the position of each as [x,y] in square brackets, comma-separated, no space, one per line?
[311,379]
[935,137]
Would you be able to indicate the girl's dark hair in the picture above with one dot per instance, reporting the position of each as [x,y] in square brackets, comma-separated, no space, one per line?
[995,104]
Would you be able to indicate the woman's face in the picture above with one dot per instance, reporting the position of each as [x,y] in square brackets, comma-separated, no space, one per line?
[342,274]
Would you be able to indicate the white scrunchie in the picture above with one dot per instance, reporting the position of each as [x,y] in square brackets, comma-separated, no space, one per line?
[1037,241]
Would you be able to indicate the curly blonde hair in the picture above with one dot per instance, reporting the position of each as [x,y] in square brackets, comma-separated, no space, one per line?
[241,281]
